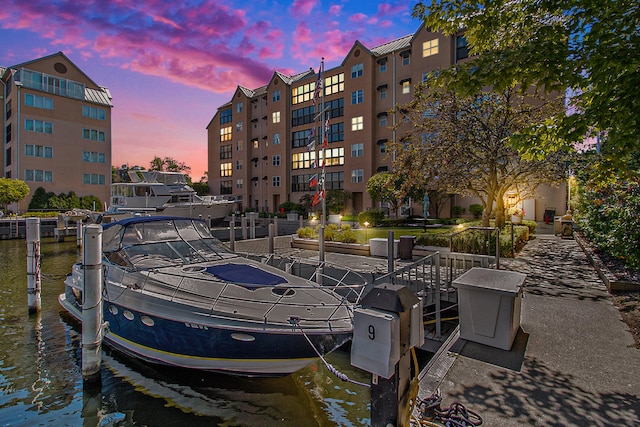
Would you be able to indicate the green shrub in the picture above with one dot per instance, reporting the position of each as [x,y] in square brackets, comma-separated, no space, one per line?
[345,236]
[476,210]
[307,233]
[373,216]
[457,211]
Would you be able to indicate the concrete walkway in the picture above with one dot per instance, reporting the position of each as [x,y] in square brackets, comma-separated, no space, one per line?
[573,362]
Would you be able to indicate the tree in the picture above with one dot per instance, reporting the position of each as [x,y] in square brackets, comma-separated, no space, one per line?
[392,188]
[168,164]
[202,187]
[11,191]
[588,47]
[460,144]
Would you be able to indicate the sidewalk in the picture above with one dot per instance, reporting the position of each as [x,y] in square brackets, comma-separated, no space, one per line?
[573,362]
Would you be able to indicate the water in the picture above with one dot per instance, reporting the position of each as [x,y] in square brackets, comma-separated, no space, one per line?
[41,381]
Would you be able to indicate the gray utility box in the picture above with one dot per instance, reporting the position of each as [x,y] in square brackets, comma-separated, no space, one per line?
[489,306]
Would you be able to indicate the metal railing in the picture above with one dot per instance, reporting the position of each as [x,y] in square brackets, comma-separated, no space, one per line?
[488,231]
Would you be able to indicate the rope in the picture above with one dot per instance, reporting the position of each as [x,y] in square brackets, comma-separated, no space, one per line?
[456,415]
[330,367]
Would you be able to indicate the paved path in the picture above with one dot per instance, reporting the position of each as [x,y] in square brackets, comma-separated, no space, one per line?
[573,362]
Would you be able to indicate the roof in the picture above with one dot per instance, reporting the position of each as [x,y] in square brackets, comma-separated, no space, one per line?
[393,45]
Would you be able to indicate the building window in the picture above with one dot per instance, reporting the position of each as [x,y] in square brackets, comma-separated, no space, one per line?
[430,48]
[335,132]
[357,123]
[226,151]
[226,116]
[383,65]
[238,164]
[226,187]
[226,169]
[275,96]
[94,113]
[8,158]
[304,160]
[333,156]
[39,151]
[239,183]
[93,135]
[357,150]
[276,139]
[300,138]
[406,86]
[51,84]
[357,71]
[462,47]
[275,117]
[275,181]
[38,175]
[239,107]
[336,108]
[8,131]
[383,93]
[256,144]
[7,108]
[357,97]
[38,126]
[39,101]
[93,157]
[357,175]
[275,160]
[302,93]
[334,84]
[239,145]
[383,121]
[239,127]
[93,179]
[303,116]
[226,134]
[406,58]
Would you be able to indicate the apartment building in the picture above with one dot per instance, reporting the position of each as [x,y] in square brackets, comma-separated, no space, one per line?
[57,128]
[258,142]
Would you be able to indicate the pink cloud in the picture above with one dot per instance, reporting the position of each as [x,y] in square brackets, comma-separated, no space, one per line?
[358,17]
[335,10]
[302,7]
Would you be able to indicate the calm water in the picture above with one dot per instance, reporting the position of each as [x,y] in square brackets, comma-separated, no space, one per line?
[41,381]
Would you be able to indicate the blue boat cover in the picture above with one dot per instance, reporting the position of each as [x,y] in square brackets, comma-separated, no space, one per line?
[245,275]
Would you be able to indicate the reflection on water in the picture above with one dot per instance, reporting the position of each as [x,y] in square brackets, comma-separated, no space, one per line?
[41,381]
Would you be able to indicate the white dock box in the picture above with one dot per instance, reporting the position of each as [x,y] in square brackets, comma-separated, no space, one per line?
[376,341]
[489,306]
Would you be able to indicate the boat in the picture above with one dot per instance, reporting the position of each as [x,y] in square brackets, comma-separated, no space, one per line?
[175,295]
[165,194]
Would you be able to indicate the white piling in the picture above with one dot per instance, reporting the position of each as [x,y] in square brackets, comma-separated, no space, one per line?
[390,252]
[33,264]
[79,233]
[232,233]
[92,316]
[243,224]
[252,226]
[271,237]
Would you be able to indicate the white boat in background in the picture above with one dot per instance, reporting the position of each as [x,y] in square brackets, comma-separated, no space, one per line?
[167,194]
[175,295]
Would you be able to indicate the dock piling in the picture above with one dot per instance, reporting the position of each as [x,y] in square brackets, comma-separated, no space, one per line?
[33,264]
[92,317]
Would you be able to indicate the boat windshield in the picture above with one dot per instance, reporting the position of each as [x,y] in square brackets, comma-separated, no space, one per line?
[156,243]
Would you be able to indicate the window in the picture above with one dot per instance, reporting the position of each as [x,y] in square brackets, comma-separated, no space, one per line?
[383,93]
[302,93]
[38,175]
[39,101]
[357,97]
[239,183]
[383,121]
[383,65]
[226,169]
[275,96]
[239,127]
[335,132]
[8,131]
[357,150]
[303,116]
[226,187]
[275,160]
[276,139]
[406,86]
[357,175]
[51,84]
[300,138]
[93,135]
[334,84]
[226,116]
[275,117]
[357,123]
[357,71]
[334,181]
[40,151]
[336,108]
[239,145]
[462,47]
[333,156]
[226,151]
[7,107]
[93,157]
[430,48]
[406,58]
[275,181]
[305,160]
[94,113]
[238,164]
[8,158]
[226,134]
[239,107]
[93,179]
[38,126]
[256,144]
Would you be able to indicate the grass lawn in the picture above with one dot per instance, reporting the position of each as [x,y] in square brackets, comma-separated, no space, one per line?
[364,234]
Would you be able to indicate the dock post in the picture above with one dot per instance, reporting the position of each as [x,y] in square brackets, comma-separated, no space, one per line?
[271,237]
[33,264]
[390,252]
[275,224]
[252,226]
[232,233]
[92,316]
[79,233]
[243,224]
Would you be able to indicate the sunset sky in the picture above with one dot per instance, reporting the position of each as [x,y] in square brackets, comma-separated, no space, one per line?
[170,64]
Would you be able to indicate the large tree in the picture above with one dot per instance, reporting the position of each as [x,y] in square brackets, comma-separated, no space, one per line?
[11,191]
[587,47]
[461,144]
[392,188]
[168,164]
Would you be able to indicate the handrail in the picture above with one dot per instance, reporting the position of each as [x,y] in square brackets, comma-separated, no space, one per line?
[496,229]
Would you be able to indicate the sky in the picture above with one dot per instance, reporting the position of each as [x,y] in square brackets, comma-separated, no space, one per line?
[170,64]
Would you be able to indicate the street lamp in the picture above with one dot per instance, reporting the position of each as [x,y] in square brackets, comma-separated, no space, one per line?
[366,233]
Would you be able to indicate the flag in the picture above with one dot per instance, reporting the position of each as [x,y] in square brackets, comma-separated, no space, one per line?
[318,91]
[311,136]
[316,199]
[324,141]
[311,146]
[314,181]
[313,164]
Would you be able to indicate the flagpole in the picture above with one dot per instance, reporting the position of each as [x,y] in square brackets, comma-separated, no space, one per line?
[324,195]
